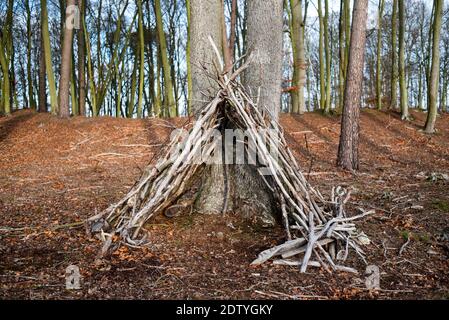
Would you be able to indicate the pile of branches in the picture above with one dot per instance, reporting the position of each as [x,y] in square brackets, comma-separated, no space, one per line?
[315,227]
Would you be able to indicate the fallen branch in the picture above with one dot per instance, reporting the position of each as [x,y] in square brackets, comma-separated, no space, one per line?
[312,222]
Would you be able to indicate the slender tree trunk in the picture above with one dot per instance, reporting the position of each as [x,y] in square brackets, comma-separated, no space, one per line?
[327,49]
[42,78]
[232,35]
[82,60]
[379,56]
[6,84]
[342,51]
[6,55]
[435,68]
[158,99]
[32,103]
[429,53]
[420,89]
[321,58]
[132,90]
[48,59]
[402,71]
[394,63]
[73,86]
[118,105]
[226,48]
[443,102]
[299,60]
[171,103]
[348,149]
[66,66]
[189,67]
[141,50]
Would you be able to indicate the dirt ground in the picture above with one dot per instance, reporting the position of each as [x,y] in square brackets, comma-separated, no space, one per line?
[55,173]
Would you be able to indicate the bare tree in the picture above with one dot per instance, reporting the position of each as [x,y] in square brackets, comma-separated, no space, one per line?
[82,60]
[240,186]
[205,23]
[299,58]
[435,68]
[42,78]
[348,149]
[66,64]
[394,63]
[402,75]
[265,39]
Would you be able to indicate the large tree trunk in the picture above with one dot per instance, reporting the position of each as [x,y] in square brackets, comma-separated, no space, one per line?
[205,22]
[435,68]
[263,78]
[348,157]
[265,39]
[66,65]
[238,187]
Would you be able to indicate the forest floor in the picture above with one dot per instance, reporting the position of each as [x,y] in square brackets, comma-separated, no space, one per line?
[56,172]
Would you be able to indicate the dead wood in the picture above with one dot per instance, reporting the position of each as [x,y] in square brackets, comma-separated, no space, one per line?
[311,221]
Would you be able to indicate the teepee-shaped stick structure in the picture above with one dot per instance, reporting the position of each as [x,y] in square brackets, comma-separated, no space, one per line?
[315,227]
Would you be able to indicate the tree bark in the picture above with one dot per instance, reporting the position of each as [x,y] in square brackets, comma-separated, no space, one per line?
[32,103]
[82,60]
[205,21]
[265,25]
[348,149]
[435,68]
[171,103]
[299,59]
[327,50]
[189,65]
[48,59]
[263,78]
[141,51]
[66,66]
[394,61]
[42,78]
[238,187]
[321,57]
[379,55]
[402,75]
